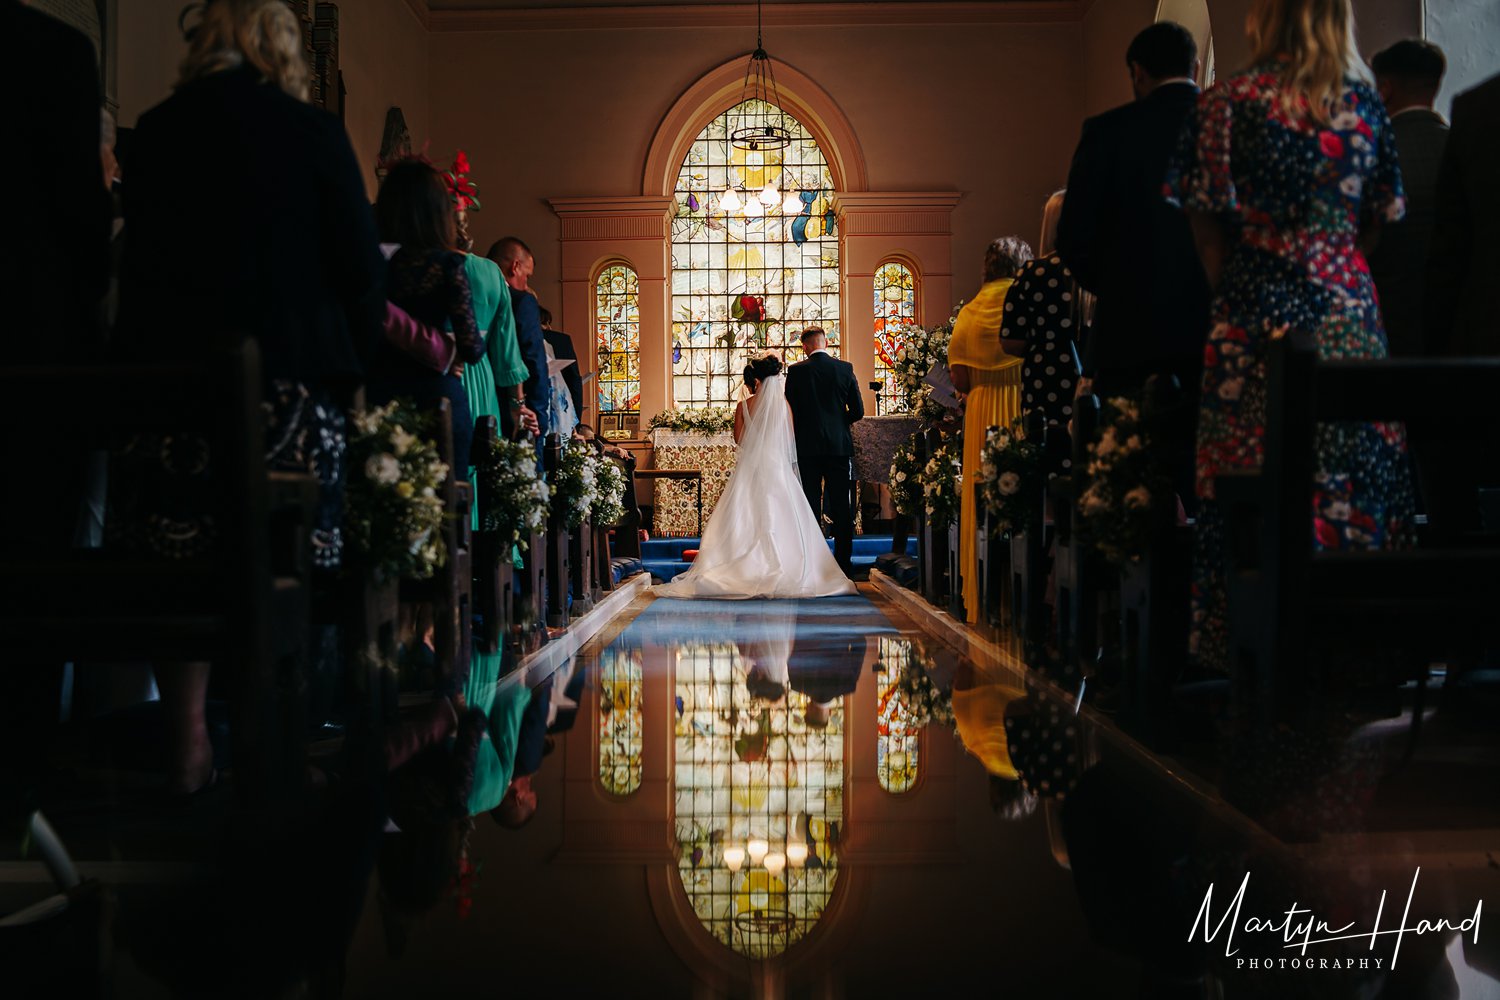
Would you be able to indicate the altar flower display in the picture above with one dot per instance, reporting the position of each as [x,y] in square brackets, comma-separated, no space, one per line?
[1009,469]
[942,482]
[393,512]
[710,420]
[922,349]
[513,497]
[1122,485]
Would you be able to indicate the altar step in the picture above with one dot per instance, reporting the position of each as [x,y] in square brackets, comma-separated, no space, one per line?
[662,557]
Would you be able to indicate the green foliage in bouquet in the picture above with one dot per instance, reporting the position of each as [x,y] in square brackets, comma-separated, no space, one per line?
[610,479]
[906,479]
[943,481]
[577,480]
[513,498]
[926,702]
[712,420]
[1010,467]
[1123,485]
[921,348]
[393,510]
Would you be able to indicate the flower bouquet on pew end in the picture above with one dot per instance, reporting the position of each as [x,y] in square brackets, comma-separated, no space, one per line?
[942,482]
[906,479]
[577,480]
[1122,484]
[609,508]
[1009,467]
[513,498]
[393,511]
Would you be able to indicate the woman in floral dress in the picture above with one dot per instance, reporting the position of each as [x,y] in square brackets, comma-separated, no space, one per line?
[1287,171]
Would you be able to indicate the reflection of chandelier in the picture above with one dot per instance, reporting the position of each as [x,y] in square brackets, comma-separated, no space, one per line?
[766,132]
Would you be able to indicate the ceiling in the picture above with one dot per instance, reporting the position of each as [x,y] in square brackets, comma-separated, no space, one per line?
[573,4]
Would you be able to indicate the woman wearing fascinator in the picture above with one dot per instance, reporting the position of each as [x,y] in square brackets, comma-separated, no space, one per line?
[762,540]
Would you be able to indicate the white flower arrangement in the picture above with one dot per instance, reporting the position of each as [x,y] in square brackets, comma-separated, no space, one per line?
[1121,485]
[393,513]
[513,498]
[1009,470]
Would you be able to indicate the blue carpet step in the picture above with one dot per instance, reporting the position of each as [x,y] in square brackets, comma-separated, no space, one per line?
[662,557]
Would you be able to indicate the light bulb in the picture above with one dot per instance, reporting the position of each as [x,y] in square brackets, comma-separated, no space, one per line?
[729,201]
[735,856]
[775,862]
[769,195]
[757,848]
[793,204]
[796,854]
[753,208]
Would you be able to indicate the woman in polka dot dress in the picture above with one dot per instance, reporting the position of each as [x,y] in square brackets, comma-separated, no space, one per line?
[1287,172]
[1044,322]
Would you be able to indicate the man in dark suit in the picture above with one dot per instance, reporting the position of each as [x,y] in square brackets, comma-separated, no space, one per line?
[517,265]
[825,400]
[1408,75]
[827,660]
[1460,297]
[1132,249]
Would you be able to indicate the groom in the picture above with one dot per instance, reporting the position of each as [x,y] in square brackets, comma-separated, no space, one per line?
[825,400]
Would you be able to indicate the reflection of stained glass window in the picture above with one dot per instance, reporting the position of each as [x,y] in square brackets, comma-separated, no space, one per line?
[789,260]
[895,307]
[749,770]
[896,732]
[621,733]
[617,325]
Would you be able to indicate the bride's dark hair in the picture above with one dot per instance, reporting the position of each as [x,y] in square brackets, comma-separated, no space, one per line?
[761,369]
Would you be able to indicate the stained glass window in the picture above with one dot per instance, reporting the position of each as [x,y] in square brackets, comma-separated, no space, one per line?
[896,732]
[752,777]
[895,308]
[776,258]
[621,730]
[617,326]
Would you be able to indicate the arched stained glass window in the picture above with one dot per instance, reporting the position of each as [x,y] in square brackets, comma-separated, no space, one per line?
[749,272]
[896,734]
[895,308]
[758,804]
[622,733]
[617,330]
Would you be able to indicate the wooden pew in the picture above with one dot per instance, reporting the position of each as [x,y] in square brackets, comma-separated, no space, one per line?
[559,571]
[1294,611]
[1028,557]
[493,568]
[932,543]
[243,606]
[994,562]
[1076,564]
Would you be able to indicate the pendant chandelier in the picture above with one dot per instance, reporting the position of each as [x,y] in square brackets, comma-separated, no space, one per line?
[754,131]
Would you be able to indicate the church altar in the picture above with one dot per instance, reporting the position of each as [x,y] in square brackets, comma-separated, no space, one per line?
[676,503]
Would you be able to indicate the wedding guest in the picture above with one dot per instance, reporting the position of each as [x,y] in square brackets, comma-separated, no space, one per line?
[64,214]
[428,279]
[302,273]
[562,350]
[1408,75]
[1132,250]
[1281,212]
[990,380]
[517,265]
[565,411]
[1043,322]
[1460,303]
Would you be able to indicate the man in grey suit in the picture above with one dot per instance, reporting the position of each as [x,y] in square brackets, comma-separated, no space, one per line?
[1408,75]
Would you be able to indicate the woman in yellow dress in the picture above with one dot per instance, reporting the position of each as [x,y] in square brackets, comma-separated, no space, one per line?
[990,379]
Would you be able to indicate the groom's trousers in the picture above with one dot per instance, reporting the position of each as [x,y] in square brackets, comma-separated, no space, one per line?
[828,481]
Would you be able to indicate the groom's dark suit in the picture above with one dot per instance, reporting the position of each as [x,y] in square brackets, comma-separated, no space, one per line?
[825,400]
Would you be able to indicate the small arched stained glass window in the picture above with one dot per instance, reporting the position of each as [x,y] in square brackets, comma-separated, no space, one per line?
[895,309]
[896,732]
[617,331]
[622,733]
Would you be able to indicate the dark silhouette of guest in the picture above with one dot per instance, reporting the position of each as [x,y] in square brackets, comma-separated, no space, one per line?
[429,280]
[1408,75]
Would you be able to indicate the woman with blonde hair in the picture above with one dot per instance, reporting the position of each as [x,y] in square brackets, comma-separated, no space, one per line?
[991,382]
[247,217]
[1287,173]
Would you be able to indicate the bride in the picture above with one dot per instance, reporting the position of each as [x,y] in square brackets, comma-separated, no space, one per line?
[762,540]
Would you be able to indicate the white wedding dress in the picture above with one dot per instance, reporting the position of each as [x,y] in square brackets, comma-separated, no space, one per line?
[762,540]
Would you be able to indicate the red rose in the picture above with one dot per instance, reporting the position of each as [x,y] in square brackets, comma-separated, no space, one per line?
[1332,145]
[460,162]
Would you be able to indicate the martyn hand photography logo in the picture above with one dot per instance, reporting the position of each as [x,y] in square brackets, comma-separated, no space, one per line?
[1298,929]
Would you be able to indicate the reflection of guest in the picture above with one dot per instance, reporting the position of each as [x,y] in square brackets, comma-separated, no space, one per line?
[979,716]
[992,381]
[518,807]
